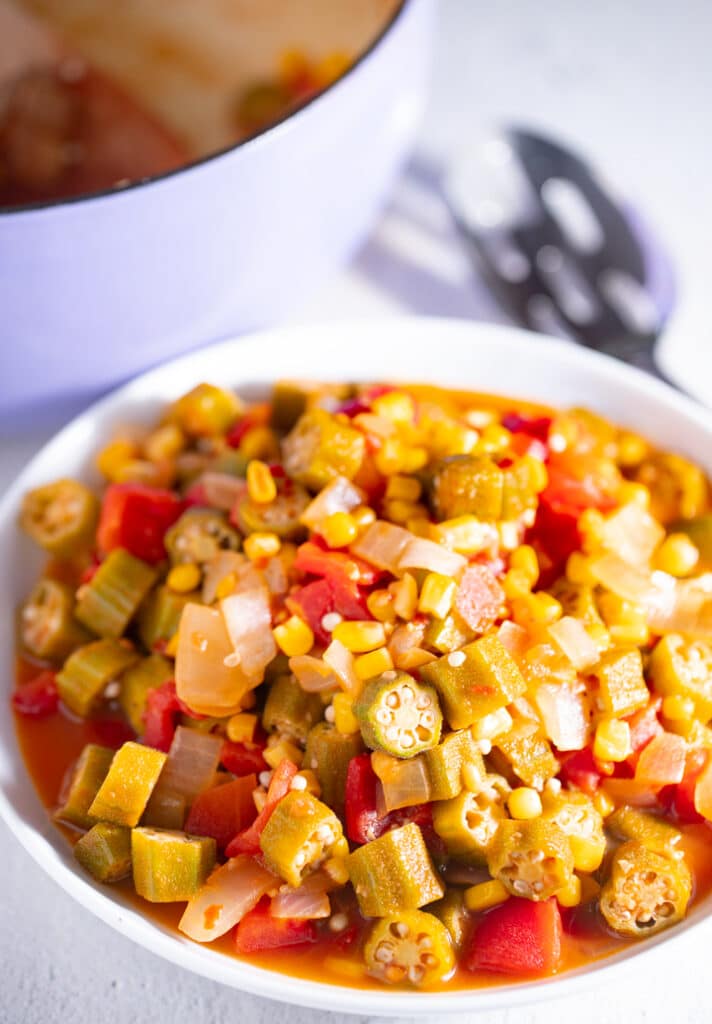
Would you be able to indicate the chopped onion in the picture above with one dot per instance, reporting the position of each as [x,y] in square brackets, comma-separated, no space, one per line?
[207,679]
[564,714]
[404,783]
[217,569]
[684,608]
[514,637]
[248,619]
[382,545]
[421,553]
[571,636]
[340,495]
[632,583]
[307,902]
[313,674]
[405,647]
[222,490]
[632,534]
[341,660]
[230,892]
[276,576]
[192,761]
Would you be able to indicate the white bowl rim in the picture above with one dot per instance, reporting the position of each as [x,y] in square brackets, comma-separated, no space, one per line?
[403,333]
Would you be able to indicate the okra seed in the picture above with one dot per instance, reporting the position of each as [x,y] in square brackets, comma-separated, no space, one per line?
[265,778]
[383,716]
[112,689]
[337,922]
[429,961]
[298,783]
[392,700]
[416,973]
[456,658]
[400,929]
[485,747]
[330,714]
[231,660]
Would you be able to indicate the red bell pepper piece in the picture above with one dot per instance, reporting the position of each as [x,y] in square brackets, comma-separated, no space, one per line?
[258,931]
[683,794]
[338,590]
[110,732]
[517,937]
[248,841]
[535,426]
[242,758]
[162,707]
[223,811]
[38,698]
[136,517]
[644,726]
[581,770]
[312,602]
[363,820]
[336,566]
[479,598]
[525,444]
[258,416]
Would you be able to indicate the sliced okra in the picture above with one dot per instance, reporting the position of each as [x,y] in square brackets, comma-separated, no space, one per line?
[410,946]
[532,859]
[48,628]
[645,891]
[328,753]
[87,672]
[399,715]
[300,835]
[124,793]
[394,873]
[108,602]
[82,785]
[105,851]
[60,517]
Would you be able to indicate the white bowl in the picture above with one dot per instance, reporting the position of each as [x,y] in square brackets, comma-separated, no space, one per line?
[454,353]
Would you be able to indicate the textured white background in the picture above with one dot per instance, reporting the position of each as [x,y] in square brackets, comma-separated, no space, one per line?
[632,83]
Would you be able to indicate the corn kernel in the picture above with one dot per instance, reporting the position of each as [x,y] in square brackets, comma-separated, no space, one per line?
[344,718]
[591,525]
[578,570]
[494,438]
[524,803]
[372,664]
[261,545]
[380,605]
[414,459]
[676,555]
[570,894]
[603,803]
[538,473]
[524,559]
[516,583]
[363,516]
[261,484]
[337,869]
[413,657]
[590,889]
[396,406]
[678,708]
[419,525]
[612,740]
[630,493]
[184,578]
[313,786]
[403,488]
[164,443]
[294,637]
[449,439]
[471,777]
[172,646]
[114,456]
[400,512]
[339,529]
[437,595]
[259,443]
[495,724]
[586,851]
[241,727]
[536,609]
[467,535]
[632,449]
[359,637]
[226,586]
[285,748]
[485,895]
[405,596]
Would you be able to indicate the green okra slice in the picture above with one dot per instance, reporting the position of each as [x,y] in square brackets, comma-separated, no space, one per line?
[448,634]
[166,809]
[199,535]
[653,832]
[452,912]
[48,628]
[83,784]
[108,602]
[394,873]
[445,764]
[87,672]
[321,447]
[105,851]
[680,667]
[519,489]
[291,711]
[621,686]
[169,866]
[136,681]
[399,715]
[301,834]
[577,600]
[645,891]
[468,823]
[467,485]
[328,753]
[530,757]
[281,516]
[159,616]
[532,859]
[410,946]
[577,817]
[291,398]
[60,517]
[124,793]
[475,681]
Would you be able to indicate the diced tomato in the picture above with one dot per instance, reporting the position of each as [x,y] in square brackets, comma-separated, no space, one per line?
[340,588]
[681,798]
[258,931]
[136,517]
[535,426]
[110,732]
[517,937]
[242,758]
[318,560]
[363,820]
[248,841]
[258,416]
[524,444]
[353,407]
[223,811]
[644,725]
[479,598]
[662,761]
[38,698]
[312,602]
[162,707]
[580,769]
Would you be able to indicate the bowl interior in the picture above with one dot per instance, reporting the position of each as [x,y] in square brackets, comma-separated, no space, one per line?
[451,353]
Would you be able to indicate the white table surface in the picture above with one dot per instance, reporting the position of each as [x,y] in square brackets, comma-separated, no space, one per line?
[632,83]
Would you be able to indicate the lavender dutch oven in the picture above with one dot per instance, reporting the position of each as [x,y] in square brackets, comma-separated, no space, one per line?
[95,289]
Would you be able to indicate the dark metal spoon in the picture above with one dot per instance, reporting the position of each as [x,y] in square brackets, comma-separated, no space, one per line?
[561,253]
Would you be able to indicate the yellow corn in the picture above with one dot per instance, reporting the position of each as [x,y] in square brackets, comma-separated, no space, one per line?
[413,657]
[339,529]
[294,637]
[632,493]
[184,578]
[405,596]
[678,708]
[403,488]
[676,555]
[496,723]
[612,740]
[396,406]
[452,438]
[372,664]
[114,456]
[591,524]
[164,443]
[363,516]
[241,727]
[259,443]
[494,438]
[516,583]
[261,485]
[586,851]
[380,605]
[536,609]
[632,449]
[471,777]
[466,534]
[344,718]
[578,570]
[626,621]
[570,894]
[226,586]
[359,637]
[419,525]
[283,748]
[414,458]
[485,895]
[524,803]
[400,512]
[603,803]
[261,545]
[337,869]
[313,786]
[437,595]
[524,559]
[538,473]
[172,646]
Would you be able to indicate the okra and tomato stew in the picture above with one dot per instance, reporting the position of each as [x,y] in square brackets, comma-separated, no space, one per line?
[386,685]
